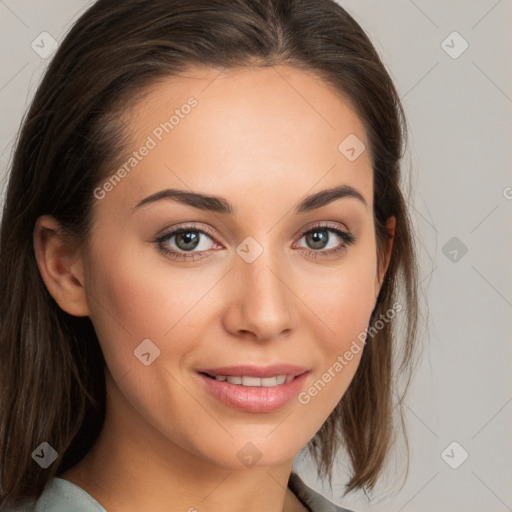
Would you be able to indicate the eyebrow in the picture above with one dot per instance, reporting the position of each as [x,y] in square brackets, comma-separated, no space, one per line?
[221,205]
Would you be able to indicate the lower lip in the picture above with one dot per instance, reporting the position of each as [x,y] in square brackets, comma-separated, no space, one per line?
[254,398]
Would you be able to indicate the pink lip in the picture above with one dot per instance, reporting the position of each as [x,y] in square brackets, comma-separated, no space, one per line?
[254,399]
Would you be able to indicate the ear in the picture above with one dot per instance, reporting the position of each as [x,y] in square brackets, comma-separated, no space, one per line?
[61,266]
[390,227]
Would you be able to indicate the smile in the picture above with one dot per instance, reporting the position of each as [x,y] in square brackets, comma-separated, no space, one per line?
[254,389]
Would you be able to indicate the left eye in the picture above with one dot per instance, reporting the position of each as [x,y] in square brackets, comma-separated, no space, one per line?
[321,238]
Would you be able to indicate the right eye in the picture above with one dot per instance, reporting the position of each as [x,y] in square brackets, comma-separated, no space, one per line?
[185,243]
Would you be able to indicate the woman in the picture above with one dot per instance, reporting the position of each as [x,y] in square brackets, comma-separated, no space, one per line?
[202,248]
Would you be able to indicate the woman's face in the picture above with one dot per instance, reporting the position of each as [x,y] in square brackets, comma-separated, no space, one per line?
[258,278]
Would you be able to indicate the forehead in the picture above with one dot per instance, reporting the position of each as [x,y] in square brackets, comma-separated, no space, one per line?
[216,131]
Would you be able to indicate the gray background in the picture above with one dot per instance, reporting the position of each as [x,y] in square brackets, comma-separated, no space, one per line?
[459,109]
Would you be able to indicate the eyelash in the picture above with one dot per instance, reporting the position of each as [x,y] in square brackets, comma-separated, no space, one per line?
[347,237]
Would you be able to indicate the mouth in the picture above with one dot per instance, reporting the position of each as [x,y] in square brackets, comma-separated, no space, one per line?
[254,389]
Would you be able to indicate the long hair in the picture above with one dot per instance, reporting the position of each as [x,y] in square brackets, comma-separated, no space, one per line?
[52,384]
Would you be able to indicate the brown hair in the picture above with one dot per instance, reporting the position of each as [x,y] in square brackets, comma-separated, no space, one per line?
[52,385]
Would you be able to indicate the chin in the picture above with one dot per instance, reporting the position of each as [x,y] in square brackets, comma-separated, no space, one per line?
[252,451]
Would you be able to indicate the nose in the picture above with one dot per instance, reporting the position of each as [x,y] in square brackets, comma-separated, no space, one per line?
[262,302]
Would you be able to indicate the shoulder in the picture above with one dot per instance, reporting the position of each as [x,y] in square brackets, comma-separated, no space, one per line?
[312,499]
[62,496]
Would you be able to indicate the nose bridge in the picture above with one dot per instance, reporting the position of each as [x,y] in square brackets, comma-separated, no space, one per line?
[262,300]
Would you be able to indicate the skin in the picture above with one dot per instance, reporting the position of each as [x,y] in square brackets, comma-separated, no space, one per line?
[263,139]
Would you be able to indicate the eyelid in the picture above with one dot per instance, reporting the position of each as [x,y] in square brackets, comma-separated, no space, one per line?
[201,228]
[323,224]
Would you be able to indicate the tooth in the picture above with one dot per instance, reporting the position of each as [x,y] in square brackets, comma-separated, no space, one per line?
[255,381]
[251,381]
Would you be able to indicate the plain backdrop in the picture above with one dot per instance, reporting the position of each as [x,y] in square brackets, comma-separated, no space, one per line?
[450,61]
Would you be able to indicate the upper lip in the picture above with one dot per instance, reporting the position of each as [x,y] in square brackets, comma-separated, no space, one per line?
[256,371]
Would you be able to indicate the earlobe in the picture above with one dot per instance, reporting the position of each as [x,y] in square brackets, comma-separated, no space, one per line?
[61,266]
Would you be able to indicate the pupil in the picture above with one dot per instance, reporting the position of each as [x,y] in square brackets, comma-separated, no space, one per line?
[189,237]
[319,239]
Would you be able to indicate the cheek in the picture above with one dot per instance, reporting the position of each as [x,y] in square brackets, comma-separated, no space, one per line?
[131,300]
[343,299]
[346,300]
[342,308]
[342,302]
